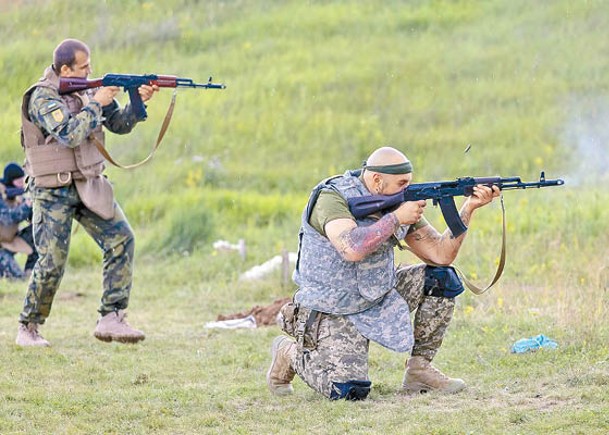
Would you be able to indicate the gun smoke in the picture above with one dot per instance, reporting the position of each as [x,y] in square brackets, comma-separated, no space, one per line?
[586,136]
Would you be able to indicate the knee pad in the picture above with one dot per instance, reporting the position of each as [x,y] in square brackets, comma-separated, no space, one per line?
[442,282]
[351,390]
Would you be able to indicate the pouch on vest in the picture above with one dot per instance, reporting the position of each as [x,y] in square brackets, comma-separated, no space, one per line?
[442,282]
[97,195]
[307,328]
[286,319]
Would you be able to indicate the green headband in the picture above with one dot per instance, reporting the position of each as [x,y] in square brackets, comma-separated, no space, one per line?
[399,168]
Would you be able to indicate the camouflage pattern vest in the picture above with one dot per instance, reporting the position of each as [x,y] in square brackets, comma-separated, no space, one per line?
[330,284]
[51,163]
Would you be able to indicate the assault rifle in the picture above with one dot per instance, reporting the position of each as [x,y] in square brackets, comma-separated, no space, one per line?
[443,193]
[131,83]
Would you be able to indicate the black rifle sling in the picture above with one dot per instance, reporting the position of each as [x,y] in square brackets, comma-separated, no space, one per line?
[104,152]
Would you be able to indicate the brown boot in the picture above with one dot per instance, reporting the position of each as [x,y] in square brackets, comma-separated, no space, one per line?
[281,373]
[28,335]
[421,377]
[113,326]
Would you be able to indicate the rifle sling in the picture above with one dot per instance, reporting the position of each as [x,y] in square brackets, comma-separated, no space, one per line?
[475,289]
[104,152]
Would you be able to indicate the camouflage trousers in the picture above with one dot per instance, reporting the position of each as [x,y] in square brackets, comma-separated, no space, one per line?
[53,212]
[334,352]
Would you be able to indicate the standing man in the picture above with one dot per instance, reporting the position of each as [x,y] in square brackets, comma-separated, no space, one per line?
[350,293]
[60,135]
[14,210]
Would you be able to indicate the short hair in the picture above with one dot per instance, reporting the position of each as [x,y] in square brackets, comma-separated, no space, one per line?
[65,53]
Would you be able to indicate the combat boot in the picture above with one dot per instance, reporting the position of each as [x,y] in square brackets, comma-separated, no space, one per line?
[280,374]
[27,335]
[113,326]
[421,377]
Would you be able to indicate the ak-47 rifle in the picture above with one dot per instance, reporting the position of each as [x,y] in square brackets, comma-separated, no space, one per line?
[443,193]
[130,83]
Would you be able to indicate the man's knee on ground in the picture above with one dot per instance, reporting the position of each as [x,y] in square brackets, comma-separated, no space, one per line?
[350,390]
[442,282]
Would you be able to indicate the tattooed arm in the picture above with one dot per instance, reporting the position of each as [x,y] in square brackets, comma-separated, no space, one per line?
[428,244]
[356,242]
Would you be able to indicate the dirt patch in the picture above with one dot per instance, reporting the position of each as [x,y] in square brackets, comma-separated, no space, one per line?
[264,315]
[69,296]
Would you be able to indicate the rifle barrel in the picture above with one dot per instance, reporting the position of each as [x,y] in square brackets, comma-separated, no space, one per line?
[537,184]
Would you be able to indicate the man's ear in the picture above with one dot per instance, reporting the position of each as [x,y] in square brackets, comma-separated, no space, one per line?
[377,182]
[64,71]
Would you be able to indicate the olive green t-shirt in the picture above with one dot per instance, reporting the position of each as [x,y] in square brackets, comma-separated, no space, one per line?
[331,205]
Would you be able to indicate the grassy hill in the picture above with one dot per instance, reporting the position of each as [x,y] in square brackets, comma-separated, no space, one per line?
[312,88]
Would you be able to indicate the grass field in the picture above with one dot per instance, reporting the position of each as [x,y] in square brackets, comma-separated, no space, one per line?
[313,88]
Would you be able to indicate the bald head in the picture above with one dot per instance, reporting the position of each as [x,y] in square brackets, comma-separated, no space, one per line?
[386,156]
[387,171]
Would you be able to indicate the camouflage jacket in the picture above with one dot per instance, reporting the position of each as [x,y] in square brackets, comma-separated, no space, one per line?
[71,118]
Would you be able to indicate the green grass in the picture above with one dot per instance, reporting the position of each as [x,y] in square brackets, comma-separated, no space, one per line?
[313,88]
[186,379]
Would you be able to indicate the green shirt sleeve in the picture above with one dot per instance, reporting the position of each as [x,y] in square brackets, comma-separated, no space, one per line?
[330,206]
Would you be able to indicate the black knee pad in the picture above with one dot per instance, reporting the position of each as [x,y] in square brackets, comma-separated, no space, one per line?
[351,390]
[442,282]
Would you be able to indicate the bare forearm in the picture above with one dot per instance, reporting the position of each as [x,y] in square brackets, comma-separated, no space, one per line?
[438,248]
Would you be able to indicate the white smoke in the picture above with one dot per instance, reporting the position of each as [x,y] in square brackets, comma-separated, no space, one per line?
[586,135]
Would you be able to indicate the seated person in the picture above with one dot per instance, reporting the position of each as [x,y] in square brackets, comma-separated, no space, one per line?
[15,209]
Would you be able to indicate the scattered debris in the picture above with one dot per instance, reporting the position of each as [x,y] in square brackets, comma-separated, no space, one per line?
[263,315]
[248,322]
[260,271]
[223,245]
[534,343]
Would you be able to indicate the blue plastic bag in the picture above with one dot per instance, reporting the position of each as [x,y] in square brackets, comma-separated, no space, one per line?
[534,343]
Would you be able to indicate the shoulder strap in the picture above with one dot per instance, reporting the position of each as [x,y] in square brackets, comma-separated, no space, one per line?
[104,152]
[477,290]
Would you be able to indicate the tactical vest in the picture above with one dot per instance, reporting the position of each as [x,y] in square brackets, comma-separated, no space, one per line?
[327,282]
[47,159]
